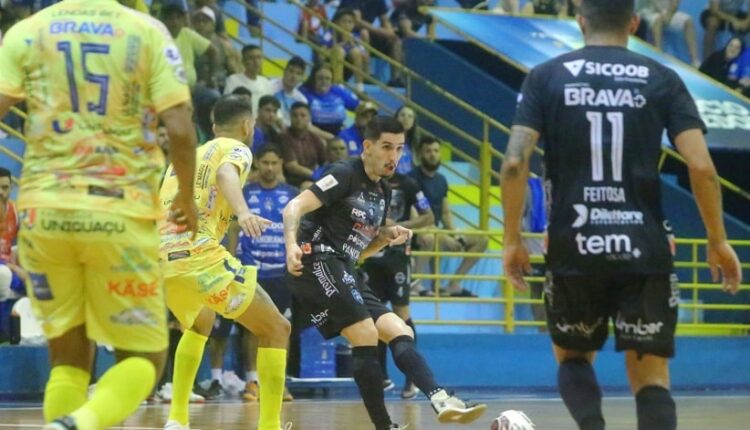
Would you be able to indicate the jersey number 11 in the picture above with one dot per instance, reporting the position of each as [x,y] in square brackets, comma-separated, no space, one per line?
[597,148]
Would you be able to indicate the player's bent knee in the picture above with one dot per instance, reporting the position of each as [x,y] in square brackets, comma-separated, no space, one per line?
[390,326]
[362,333]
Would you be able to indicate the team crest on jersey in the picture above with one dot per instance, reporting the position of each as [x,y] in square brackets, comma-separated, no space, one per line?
[172,55]
[254,199]
[283,199]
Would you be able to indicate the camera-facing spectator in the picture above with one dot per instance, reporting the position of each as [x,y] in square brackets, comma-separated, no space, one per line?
[328,102]
[252,78]
[723,15]
[406,116]
[286,88]
[347,45]
[724,64]
[353,136]
[335,151]
[303,151]
[228,61]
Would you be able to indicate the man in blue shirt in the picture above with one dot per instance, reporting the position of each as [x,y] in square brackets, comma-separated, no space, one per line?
[353,136]
[266,198]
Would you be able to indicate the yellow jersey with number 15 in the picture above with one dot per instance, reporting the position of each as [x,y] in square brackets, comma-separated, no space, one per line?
[178,252]
[94,75]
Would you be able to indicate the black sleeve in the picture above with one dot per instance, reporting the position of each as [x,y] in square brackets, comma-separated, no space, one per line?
[682,114]
[411,189]
[530,109]
[335,185]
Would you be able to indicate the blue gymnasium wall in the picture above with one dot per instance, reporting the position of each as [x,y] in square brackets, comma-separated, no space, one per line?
[513,362]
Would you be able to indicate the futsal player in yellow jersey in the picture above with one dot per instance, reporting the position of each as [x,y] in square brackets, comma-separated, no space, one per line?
[202,277]
[95,77]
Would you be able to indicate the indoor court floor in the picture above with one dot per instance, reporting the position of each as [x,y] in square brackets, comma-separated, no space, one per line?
[696,412]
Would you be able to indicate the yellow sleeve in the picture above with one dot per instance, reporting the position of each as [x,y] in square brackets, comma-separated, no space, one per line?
[167,83]
[12,61]
[140,6]
[238,155]
[198,43]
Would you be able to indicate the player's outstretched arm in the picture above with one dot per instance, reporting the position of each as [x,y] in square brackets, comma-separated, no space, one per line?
[514,176]
[304,203]
[230,186]
[6,102]
[707,190]
[182,142]
[388,235]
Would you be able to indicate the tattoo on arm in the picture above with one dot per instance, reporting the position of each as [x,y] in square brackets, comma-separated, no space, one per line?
[516,156]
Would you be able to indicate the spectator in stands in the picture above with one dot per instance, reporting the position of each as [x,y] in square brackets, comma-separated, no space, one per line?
[252,78]
[11,275]
[258,138]
[406,116]
[347,45]
[268,120]
[353,136]
[723,15]
[546,7]
[407,18]
[435,187]
[192,46]
[665,14]
[253,18]
[335,151]
[229,61]
[286,88]
[303,151]
[723,65]
[218,21]
[382,37]
[311,26]
[328,103]
[510,7]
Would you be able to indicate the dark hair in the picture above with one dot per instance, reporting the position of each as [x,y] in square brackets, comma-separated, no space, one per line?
[231,107]
[248,48]
[428,140]
[299,105]
[172,9]
[382,124]
[269,148]
[413,135]
[342,13]
[5,173]
[243,91]
[296,61]
[608,16]
[267,99]
[310,82]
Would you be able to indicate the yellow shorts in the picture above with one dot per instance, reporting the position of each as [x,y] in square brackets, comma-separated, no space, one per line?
[226,287]
[98,269]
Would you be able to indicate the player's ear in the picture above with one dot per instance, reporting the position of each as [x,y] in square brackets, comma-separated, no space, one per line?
[635,22]
[367,144]
[581,23]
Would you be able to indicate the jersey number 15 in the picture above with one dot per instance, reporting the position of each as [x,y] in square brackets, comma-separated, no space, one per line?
[102,80]
[596,119]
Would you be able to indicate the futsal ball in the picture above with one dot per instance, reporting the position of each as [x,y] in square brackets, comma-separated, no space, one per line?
[512,420]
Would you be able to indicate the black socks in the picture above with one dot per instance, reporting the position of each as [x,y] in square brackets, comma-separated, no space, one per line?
[656,409]
[412,364]
[581,393]
[369,379]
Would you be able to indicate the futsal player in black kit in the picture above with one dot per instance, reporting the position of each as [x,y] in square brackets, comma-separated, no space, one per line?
[327,228]
[601,112]
[389,271]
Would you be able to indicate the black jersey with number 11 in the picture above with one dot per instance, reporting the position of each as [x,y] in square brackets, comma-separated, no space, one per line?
[602,112]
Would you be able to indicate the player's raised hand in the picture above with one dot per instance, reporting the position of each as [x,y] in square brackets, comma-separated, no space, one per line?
[252,225]
[294,259]
[725,266]
[516,263]
[184,213]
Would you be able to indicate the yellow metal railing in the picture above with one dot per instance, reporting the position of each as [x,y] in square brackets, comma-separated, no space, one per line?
[508,298]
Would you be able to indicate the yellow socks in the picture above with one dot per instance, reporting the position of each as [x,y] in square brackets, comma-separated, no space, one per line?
[118,394]
[272,375]
[66,391]
[187,359]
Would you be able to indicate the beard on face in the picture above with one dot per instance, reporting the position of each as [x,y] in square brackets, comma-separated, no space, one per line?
[429,166]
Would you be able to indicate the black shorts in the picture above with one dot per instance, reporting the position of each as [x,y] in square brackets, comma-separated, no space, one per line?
[723,24]
[389,277]
[332,295]
[222,327]
[279,292]
[643,309]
